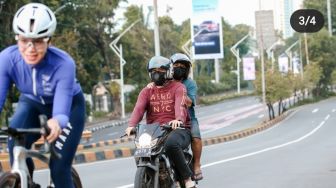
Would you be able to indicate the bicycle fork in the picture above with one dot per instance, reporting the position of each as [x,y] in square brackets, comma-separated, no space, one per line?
[20,166]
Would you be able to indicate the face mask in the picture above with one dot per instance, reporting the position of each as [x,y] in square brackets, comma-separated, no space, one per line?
[179,73]
[159,78]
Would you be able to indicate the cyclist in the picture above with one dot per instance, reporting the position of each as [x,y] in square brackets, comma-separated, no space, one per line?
[181,67]
[45,77]
[165,102]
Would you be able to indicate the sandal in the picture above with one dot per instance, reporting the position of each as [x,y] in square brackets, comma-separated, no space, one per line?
[198,176]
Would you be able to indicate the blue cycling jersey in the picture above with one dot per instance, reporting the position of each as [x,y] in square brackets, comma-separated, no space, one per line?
[49,82]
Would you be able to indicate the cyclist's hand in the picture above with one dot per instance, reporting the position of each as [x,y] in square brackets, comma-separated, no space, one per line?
[129,130]
[150,85]
[55,130]
[175,123]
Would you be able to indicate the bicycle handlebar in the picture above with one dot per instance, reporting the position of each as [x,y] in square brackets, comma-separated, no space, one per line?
[49,147]
[44,131]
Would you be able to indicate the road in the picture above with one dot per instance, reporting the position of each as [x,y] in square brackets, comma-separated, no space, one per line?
[212,118]
[298,152]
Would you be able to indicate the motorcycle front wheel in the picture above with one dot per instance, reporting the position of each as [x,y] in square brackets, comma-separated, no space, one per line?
[144,177]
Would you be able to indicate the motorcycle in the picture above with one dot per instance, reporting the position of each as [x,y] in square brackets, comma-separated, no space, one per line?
[154,168]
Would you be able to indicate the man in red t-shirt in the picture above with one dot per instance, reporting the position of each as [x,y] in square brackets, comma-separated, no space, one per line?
[165,103]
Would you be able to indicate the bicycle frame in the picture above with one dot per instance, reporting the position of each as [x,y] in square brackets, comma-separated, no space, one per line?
[20,154]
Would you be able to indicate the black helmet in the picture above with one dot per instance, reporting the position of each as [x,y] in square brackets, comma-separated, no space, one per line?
[184,59]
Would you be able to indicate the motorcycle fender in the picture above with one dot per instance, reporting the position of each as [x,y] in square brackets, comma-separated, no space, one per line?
[148,164]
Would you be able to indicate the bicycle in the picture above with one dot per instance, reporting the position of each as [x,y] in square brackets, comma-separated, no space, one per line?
[19,176]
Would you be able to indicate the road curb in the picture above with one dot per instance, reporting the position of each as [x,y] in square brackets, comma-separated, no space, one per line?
[106,154]
[106,125]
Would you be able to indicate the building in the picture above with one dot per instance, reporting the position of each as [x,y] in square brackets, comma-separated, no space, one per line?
[265,28]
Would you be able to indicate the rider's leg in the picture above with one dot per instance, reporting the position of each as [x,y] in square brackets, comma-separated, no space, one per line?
[196,147]
[67,144]
[25,116]
[178,140]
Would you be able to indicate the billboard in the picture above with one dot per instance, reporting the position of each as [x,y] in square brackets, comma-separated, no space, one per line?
[206,30]
[296,65]
[249,68]
[283,63]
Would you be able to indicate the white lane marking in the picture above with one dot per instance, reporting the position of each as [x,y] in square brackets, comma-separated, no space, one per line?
[266,149]
[326,118]
[333,110]
[315,110]
[114,133]
[126,186]
[261,116]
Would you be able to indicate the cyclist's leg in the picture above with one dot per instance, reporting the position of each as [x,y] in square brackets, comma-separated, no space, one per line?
[67,144]
[25,116]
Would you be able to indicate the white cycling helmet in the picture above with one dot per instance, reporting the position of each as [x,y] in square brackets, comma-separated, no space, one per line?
[34,20]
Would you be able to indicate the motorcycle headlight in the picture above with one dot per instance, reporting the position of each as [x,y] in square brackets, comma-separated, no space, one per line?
[145,140]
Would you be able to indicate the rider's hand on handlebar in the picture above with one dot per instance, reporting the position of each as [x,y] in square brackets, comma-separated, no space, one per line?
[128,130]
[175,123]
[55,130]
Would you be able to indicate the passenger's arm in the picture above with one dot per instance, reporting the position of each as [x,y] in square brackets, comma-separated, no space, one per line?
[180,101]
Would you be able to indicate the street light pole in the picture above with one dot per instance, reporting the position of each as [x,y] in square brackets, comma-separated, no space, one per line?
[329,18]
[289,53]
[119,52]
[236,53]
[156,30]
[186,49]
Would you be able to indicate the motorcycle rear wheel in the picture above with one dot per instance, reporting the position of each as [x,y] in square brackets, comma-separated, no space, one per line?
[144,177]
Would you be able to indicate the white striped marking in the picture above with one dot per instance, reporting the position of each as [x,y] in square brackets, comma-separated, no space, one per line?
[315,110]
[267,149]
[261,116]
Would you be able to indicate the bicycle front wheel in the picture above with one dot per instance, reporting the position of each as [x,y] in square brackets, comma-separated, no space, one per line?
[10,180]
[75,178]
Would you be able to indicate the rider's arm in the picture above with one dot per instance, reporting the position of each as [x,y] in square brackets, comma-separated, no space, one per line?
[140,108]
[4,79]
[192,91]
[64,92]
[180,109]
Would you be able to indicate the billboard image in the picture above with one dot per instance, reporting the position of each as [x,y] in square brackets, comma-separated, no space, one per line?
[249,68]
[283,63]
[206,30]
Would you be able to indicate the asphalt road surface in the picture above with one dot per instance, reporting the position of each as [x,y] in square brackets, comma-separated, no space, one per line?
[299,152]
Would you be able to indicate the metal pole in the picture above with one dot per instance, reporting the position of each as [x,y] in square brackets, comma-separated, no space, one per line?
[238,72]
[263,83]
[156,30]
[118,51]
[329,18]
[306,48]
[122,101]
[217,70]
[272,59]
[301,63]
[189,52]
[236,53]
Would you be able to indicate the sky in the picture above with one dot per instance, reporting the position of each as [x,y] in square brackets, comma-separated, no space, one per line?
[233,11]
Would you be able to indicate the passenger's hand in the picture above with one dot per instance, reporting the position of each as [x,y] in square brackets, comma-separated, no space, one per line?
[188,102]
[175,123]
[150,85]
[129,130]
[55,130]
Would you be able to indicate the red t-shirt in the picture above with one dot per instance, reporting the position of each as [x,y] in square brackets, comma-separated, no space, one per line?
[161,105]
